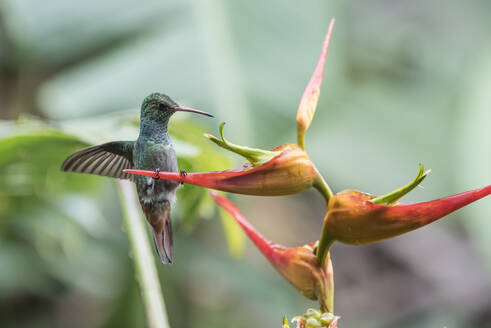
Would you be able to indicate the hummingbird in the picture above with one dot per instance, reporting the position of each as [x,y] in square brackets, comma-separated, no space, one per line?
[153,150]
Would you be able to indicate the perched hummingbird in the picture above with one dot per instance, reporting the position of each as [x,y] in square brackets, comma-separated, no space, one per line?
[152,150]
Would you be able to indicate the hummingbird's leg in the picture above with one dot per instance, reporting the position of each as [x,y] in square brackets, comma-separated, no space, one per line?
[183,173]
[157,175]
[155,178]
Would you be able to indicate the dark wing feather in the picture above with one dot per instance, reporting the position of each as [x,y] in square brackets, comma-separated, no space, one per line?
[109,159]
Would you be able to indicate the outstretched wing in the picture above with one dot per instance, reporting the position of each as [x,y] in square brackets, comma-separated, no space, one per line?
[109,159]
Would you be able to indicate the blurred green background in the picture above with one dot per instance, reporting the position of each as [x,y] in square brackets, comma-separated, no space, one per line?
[406,82]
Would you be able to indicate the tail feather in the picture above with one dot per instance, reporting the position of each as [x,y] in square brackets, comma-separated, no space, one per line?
[164,243]
[158,215]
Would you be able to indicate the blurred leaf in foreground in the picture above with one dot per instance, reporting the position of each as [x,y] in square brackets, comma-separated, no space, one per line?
[32,151]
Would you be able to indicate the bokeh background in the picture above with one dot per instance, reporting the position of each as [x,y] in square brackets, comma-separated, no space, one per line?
[406,82]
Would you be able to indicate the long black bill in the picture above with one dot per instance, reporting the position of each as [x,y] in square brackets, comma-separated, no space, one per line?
[191,110]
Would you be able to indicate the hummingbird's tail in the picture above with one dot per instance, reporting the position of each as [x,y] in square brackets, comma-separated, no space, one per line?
[164,243]
[158,215]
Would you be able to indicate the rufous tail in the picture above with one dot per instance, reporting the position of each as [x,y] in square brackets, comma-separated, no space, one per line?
[158,215]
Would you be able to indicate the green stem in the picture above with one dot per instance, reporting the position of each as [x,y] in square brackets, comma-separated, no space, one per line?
[325,240]
[325,243]
[321,185]
[326,304]
[301,139]
[146,271]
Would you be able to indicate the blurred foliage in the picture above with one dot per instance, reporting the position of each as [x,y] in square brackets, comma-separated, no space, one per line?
[405,82]
[33,187]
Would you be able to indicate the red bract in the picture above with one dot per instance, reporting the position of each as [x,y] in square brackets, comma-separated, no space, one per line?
[310,96]
[288,173]
[298,265]
[353,219]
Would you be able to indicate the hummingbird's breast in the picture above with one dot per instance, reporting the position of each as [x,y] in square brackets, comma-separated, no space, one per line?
[152,155]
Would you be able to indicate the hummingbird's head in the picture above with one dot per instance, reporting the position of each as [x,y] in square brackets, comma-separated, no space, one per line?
[161,107]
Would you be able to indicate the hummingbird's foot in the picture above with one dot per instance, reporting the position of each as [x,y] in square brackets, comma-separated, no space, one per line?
[182,173]
[157,175]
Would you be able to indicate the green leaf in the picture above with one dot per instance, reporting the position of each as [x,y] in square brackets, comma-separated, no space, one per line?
[30,164]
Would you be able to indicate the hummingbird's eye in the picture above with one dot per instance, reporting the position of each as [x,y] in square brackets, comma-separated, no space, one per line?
[161,106]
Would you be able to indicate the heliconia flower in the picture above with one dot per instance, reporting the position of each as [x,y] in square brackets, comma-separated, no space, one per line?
[310,96]
[298,265]
[290,171]
[355,218]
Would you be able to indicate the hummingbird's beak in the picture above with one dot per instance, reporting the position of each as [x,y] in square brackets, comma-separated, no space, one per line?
[191,110]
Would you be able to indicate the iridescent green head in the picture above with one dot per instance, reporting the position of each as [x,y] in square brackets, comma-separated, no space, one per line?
[160,107]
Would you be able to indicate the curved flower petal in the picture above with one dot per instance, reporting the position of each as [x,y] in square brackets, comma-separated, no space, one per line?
[392,197]
[354,219]
[310,96]
[254,155]
[288,173]
[298,265]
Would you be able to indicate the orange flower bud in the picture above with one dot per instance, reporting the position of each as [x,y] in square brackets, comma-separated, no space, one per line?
[298,265]
[302,269]
[289,172]
[354,219]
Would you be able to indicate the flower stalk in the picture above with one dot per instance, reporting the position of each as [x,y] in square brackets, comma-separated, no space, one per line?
[323,188]
[143,259]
